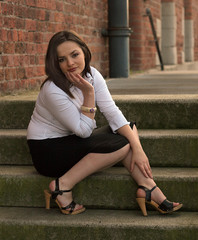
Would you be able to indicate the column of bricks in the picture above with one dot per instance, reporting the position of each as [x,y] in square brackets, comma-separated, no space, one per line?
[142,45]
[195,19]
[26,27]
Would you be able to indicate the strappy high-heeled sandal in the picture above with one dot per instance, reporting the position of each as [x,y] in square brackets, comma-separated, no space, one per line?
[164,208]
[69,209]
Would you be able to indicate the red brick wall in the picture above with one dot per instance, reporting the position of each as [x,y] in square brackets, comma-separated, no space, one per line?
[195,18]
[142,45]
[179,5]
[26,27]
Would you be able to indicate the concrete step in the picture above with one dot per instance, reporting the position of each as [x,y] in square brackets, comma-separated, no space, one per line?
[110,189]
[176,148]
[39,223]
[150,112]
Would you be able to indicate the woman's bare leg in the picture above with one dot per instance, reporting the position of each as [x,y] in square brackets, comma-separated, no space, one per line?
[91,163]
[140,179]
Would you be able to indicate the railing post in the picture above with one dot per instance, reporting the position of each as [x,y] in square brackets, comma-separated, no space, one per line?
[118,33]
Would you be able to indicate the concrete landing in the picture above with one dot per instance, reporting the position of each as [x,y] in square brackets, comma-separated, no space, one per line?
[158,83]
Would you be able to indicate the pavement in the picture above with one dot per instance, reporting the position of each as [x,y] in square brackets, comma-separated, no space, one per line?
[174,80]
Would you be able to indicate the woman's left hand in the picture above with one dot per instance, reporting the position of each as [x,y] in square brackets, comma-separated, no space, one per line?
[140,159]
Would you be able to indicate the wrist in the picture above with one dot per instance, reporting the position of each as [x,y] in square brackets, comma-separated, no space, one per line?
[88,109]
[137,148]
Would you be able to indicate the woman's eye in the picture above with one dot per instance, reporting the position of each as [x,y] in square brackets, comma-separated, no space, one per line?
[75,55]
[61,60]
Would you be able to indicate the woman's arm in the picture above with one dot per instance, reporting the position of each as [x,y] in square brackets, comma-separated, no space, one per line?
[87,91]
[138,155]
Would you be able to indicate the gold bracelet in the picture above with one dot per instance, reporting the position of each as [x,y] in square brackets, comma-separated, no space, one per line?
[88,110]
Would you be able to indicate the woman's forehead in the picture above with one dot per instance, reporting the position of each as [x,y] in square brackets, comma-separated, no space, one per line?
[67,48]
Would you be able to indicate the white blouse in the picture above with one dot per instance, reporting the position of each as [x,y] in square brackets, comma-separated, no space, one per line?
[57,115]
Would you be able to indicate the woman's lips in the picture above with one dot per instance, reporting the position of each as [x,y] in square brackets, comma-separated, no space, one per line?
[72,70]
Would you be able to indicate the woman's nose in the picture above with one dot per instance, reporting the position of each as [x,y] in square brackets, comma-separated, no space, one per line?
[70,62]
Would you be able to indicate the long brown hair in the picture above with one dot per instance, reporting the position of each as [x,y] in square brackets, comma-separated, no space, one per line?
[52,67]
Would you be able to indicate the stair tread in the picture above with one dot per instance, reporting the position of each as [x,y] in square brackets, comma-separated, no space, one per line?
[32,95]
[95,217]
[114,172]
[143,133]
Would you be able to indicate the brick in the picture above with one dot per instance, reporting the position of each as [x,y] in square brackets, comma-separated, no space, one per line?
[39,60]
[10,74]
[38,37]
[41,48]
[31,3]
[31,48]
[40,14]
[21,11]
[7,9]
[41,26]
[8,48]
[20,23]
[42,3]
[31,13]
[20,48]
[30,25]
[21,73]
[1,74]
[59,6]
[59,17]
[9,22]
[32,60]
[3,61]
[3,35]
[40,71]
[12,35]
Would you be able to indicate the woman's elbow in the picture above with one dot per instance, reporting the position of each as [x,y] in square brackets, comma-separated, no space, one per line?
[84,134]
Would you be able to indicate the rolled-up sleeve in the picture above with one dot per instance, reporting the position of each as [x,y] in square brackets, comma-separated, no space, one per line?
[67,114]
[106,104]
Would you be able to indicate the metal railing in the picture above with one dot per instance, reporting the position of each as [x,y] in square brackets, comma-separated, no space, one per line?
[148,13]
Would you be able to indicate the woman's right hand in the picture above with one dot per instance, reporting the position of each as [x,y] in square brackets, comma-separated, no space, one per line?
[78,81]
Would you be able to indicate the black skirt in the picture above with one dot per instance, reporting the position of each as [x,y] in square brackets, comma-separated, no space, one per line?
[54,157]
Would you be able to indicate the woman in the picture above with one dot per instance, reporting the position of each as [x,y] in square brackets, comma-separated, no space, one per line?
[61,136]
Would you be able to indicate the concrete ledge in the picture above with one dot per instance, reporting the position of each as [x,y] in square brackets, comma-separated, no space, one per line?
[176,148]
[155,112]
[31,224]
[110,189]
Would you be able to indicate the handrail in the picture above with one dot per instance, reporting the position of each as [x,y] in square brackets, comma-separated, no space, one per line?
[148,13]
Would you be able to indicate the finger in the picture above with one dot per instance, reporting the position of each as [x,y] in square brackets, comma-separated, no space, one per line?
[132,165]
[149,171]
[143,170]
[73,78]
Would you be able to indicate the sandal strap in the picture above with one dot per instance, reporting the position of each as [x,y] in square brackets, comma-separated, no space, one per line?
[148,192]
[58,191]
[72,205]
[166,206]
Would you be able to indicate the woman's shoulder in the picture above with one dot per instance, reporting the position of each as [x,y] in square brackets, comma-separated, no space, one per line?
[96,75]
[94,71]
[50,89]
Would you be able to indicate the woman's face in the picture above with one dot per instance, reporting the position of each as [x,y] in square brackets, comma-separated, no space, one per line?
[71,58]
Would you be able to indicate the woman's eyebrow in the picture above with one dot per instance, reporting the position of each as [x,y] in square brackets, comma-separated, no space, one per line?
[69,54]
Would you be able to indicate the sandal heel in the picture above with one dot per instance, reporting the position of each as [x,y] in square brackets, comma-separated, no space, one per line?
[142,204]
[47,199]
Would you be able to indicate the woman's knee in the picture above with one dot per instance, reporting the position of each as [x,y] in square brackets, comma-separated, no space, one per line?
[124,151]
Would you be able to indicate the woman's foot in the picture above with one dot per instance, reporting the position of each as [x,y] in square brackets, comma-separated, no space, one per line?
[156,198]
[156,195]
[66,198]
